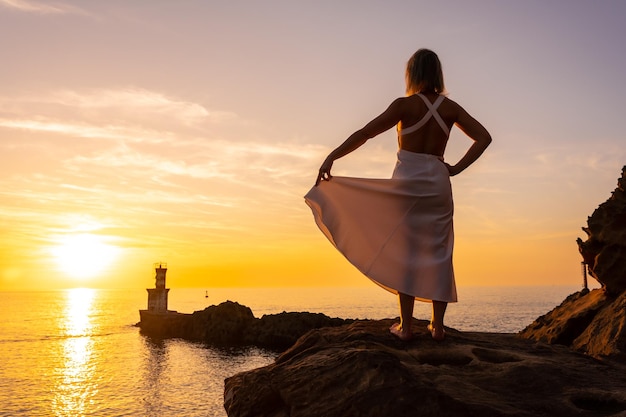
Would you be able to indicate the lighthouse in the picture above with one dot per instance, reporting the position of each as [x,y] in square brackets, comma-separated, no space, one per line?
[157,319]
[157,296]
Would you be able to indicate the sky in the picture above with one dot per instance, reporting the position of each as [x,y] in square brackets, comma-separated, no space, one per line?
[188,132]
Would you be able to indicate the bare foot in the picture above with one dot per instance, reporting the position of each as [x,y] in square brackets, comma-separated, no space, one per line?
[402,334]
[437,333]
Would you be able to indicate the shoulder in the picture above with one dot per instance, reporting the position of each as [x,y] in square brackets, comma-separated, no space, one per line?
[451,103]
[400,101]
[398,106]
[452,108]
[402,104]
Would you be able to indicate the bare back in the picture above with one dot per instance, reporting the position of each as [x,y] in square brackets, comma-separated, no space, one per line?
[430,137]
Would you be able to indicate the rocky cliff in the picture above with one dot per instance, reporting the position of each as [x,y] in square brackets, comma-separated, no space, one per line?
[604,251]
[595,322]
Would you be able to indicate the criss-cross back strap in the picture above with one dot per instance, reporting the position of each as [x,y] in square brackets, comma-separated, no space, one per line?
[432,112]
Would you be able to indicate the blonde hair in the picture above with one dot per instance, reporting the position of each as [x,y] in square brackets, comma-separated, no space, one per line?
[424,74]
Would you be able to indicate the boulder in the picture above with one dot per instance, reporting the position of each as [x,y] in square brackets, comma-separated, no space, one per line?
[604,251]
[360,369]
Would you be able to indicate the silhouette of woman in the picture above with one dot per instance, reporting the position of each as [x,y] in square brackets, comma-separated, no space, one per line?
[398,232]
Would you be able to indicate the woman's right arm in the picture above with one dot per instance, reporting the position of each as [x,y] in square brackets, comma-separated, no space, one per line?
[385,121]
[472,128]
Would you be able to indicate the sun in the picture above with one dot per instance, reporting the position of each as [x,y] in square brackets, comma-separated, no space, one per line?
[84,255]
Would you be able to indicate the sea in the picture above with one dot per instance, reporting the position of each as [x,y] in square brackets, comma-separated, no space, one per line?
[78,352]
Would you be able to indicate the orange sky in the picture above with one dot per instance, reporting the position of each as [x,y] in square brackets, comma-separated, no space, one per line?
[189,133]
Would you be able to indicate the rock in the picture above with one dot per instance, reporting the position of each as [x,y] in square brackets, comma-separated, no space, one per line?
[591,322]
[232,324]
[282,330]
[604,251]
[360,369]
[170,324]
[567,321]
[595,322]
[224,324]
[606,334]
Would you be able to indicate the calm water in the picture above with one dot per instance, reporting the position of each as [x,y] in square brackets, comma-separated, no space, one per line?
[77,352]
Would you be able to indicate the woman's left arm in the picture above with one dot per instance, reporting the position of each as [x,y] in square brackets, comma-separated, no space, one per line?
[385,121]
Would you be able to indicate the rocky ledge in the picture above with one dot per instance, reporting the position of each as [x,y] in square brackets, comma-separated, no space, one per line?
[360,369]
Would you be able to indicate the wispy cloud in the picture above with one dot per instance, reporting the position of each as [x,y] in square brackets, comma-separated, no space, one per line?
[85,130]
[129,115]
[181,137]
[136,100]
[30,6]
[127,158]
[129,104]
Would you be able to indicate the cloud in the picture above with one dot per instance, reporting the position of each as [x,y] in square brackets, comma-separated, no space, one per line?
[129,115]
[155,134]
[85,130]
[30,6]
[137,100]
[130,104]
[128,158]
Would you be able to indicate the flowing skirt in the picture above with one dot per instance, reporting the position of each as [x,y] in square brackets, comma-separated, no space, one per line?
[398,232]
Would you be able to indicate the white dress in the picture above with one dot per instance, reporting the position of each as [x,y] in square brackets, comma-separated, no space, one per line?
[398,232]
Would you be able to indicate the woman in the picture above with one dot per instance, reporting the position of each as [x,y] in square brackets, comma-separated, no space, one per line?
[399,232]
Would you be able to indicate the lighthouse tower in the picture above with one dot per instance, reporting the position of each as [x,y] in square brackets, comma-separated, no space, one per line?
[157,297]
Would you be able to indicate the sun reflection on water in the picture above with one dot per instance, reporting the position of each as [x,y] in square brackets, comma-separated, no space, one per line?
[76,385]
[78,310]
